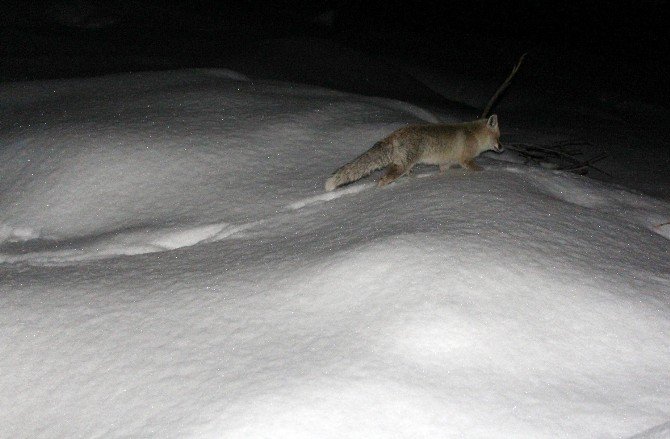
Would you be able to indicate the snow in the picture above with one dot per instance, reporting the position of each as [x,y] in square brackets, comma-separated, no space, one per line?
[170,266]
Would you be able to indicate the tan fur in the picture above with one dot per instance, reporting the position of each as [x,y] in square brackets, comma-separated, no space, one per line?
[438,144]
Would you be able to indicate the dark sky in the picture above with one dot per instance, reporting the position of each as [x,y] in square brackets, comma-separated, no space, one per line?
[627,38]
[619,21]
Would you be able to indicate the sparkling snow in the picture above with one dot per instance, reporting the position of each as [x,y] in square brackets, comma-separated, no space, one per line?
[170,266]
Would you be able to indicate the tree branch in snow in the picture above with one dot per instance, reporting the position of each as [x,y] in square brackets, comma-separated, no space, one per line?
[562,156]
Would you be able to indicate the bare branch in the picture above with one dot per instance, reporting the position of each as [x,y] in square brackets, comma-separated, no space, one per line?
[562,154]
[502,88]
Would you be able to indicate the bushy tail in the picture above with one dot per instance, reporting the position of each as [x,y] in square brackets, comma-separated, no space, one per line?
[374,158]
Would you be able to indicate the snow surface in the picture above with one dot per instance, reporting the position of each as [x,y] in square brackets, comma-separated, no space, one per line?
[171,267]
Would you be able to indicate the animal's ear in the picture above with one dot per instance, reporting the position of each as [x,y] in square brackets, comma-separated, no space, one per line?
[492,122]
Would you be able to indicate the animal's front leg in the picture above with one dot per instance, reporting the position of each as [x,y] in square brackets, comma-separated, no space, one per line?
[471,165]
[394,171]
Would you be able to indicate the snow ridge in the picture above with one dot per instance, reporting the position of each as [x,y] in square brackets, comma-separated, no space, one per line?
[171,267]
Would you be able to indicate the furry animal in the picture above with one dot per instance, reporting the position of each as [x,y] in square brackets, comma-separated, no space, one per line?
[436,144]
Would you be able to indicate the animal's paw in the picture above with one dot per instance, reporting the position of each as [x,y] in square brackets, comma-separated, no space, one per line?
[383,182]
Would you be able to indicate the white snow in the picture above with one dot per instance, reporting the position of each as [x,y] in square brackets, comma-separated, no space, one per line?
[170,266]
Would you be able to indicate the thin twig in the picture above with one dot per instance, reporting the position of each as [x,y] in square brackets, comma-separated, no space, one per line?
[559,152]
[502,88]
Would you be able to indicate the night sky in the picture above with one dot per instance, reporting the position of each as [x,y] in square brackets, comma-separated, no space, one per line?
[613,47]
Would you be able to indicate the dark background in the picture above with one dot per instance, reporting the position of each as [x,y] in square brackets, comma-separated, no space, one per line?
[589,47]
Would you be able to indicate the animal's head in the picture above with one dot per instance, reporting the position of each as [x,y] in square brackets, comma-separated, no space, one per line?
[492,130]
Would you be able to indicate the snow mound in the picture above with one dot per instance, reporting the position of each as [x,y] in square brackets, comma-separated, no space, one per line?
[659,432]
[83,158]
[171,267]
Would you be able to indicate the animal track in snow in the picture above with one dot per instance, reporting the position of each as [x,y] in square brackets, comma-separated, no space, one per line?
[328,196]
[31,248]
[117,243]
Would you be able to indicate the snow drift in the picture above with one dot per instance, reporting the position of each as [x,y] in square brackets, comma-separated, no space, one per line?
[171,267]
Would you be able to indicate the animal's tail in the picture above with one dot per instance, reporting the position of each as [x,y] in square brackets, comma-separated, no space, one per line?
[374,158]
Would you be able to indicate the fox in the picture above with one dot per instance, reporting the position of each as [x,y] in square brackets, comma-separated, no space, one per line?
[435,144]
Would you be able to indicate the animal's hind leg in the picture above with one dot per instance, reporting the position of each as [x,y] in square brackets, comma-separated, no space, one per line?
[394,171]
[471,165]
